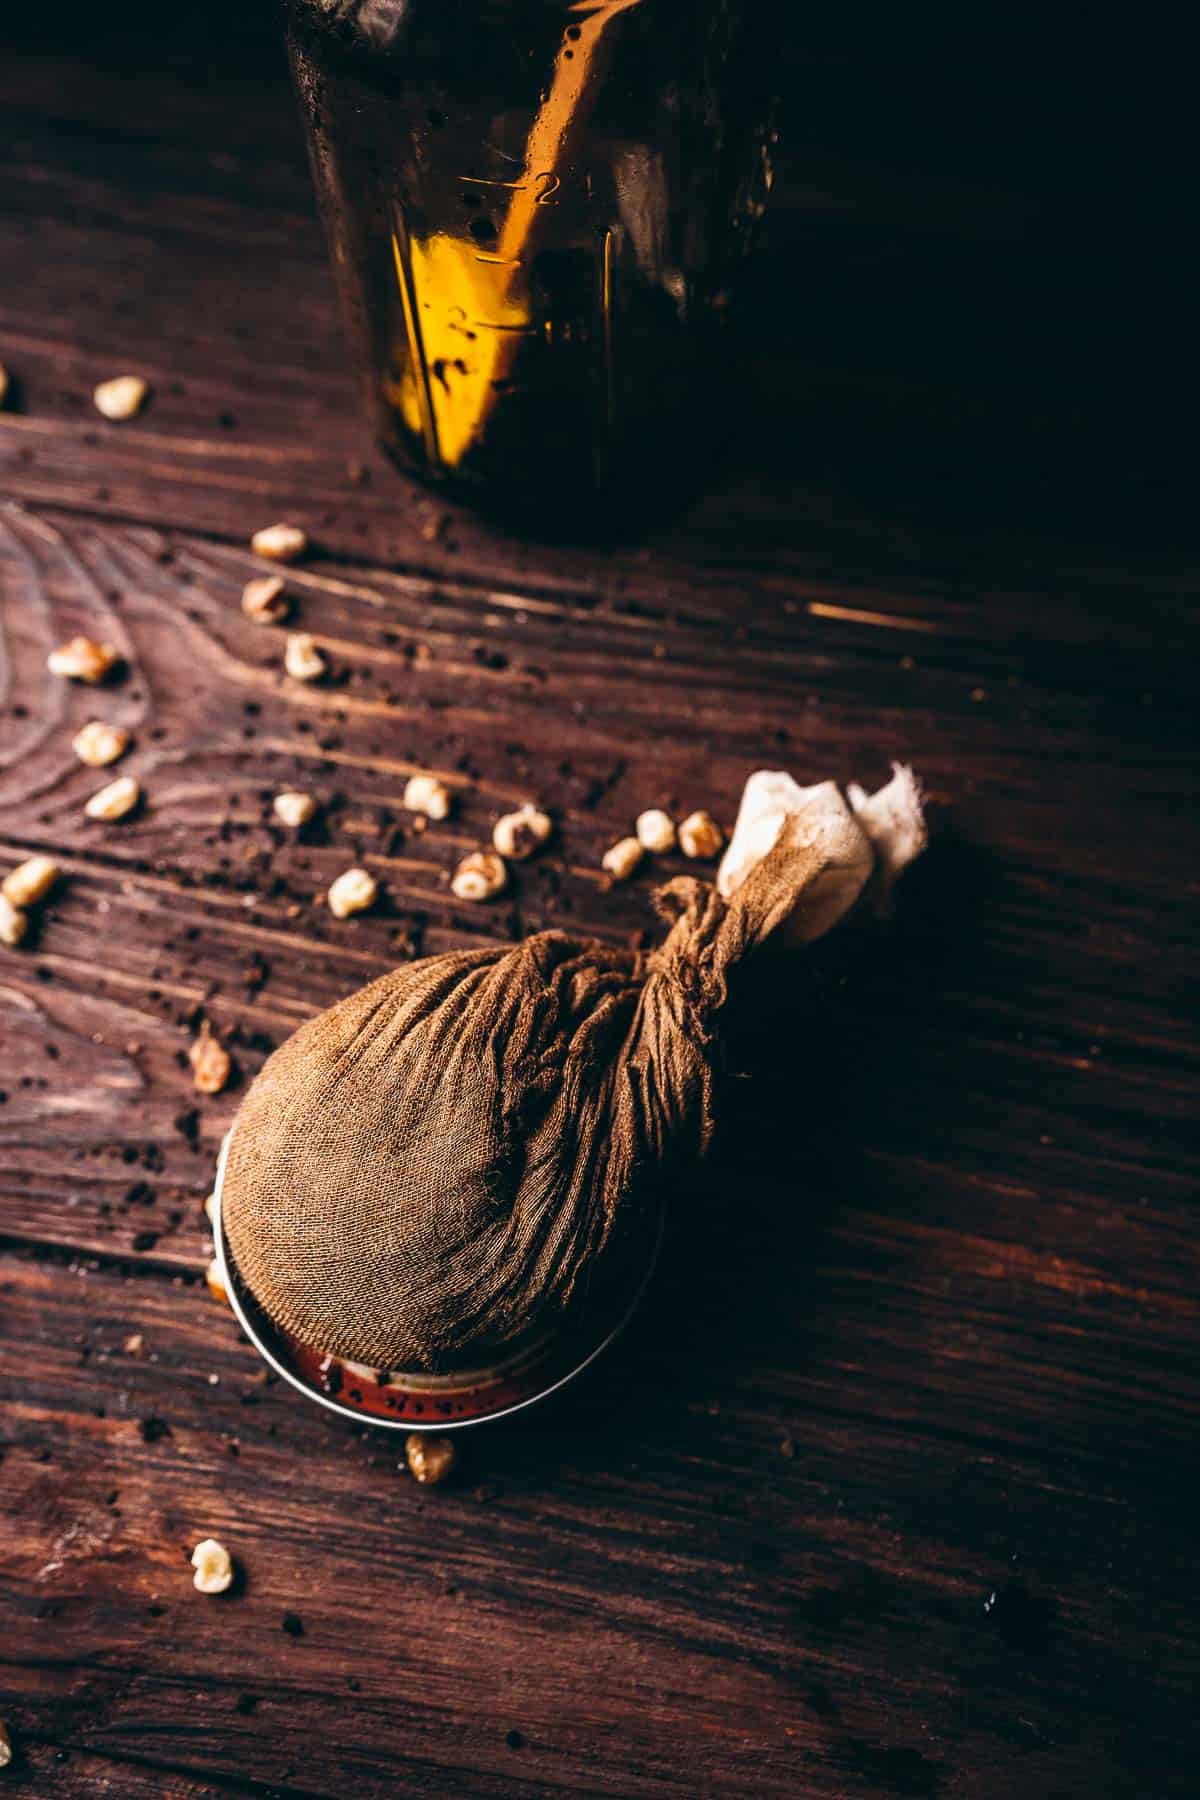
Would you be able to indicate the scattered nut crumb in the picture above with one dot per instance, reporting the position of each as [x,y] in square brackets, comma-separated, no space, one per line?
[353,892]
[700,836]
[265,600]
[13,923]
[622,858]
[656,830]
[280,543]
[294,808]
[430,1458]
[83,659]
[134,1344]
[210,1060]
[214,1275]
[426,794]
[210,1210]
[479,876]
[122,397]
[6,1749]
[213,1565]
[98,744]
[519,834]
[301,658]
[31,881]
[115,800]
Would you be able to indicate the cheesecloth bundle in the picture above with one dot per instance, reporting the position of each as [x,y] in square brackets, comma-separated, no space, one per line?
[471,1150]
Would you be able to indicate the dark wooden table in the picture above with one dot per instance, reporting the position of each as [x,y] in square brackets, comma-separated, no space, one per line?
[892,1489]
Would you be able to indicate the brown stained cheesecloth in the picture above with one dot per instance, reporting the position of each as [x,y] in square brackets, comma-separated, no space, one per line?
[455,1158]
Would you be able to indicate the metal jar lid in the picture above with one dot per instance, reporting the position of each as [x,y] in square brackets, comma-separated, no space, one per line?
[397,1400]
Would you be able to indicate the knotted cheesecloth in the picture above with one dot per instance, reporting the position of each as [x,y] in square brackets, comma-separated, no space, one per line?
[470,1151]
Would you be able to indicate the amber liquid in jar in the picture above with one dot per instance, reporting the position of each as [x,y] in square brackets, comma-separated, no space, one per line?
[534,209]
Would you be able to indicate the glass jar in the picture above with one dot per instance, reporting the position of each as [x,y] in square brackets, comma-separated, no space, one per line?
[534,207]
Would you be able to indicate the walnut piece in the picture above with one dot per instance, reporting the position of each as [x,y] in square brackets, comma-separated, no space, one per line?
[99,744]
[115,800]
[280,543]
[293,808]
[213,1565]
[426,794]
[700,836]
[31,881]
[265,600]
[301,658]
[656,830]
[13,923]
[122,397]
[430,1458]
[83,659]
[6,1749]
[210,1210]
[622,858]
[353,892]
[519,834]
[214,1277]
[479,876]
[210,1060]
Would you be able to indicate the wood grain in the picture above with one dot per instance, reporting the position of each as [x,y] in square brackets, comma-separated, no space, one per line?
[965,1308]
[890,1489]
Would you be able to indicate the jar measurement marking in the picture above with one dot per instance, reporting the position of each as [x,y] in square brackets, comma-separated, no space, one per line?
[492,181]
[547,176]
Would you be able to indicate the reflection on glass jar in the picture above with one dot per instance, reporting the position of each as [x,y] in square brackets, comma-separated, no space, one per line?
[534,208]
